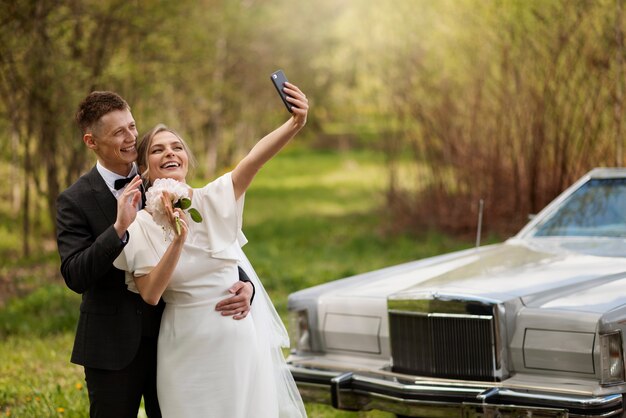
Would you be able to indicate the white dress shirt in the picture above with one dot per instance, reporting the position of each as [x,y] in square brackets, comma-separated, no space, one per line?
[109,177]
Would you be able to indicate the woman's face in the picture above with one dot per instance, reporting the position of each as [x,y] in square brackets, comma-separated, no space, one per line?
[167,158]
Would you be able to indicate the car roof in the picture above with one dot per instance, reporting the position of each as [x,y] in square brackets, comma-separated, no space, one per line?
[607,172]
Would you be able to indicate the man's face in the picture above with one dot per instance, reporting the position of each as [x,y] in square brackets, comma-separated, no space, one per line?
[114,139]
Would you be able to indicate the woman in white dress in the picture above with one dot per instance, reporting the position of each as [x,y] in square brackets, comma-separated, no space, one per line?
[209,365]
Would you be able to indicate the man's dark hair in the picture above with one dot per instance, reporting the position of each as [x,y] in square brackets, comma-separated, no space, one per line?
[95,106]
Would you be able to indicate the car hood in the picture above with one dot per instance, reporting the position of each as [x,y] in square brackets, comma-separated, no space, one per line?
[544,273]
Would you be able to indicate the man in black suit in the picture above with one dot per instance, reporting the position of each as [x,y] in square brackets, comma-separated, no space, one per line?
[117,331]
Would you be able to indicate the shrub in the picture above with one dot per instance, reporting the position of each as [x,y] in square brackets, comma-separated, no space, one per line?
[48,310]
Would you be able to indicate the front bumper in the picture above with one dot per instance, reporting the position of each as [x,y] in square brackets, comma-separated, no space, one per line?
[440,399]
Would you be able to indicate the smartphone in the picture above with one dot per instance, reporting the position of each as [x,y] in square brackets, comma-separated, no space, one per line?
[279,79]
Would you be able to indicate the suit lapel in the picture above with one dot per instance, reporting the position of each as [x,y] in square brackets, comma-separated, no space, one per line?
[143,195]
[102,195]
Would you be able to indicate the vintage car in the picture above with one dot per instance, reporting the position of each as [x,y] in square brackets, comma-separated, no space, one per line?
[532,327]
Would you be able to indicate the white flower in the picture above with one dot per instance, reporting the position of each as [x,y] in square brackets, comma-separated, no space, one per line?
[154,204]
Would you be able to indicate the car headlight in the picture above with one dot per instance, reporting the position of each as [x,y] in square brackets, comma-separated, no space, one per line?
[300,334]
[612,358]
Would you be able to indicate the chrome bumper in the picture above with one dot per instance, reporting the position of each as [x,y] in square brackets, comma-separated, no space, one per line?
[362,391]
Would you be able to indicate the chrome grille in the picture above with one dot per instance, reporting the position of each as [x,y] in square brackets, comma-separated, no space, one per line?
[458,346]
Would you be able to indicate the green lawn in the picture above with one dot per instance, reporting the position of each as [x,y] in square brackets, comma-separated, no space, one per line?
[310,217]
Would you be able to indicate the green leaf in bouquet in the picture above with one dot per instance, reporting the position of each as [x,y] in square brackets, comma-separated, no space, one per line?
[195,215]
[185,203]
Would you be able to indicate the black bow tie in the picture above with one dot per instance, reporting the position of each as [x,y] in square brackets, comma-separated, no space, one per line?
[119,183]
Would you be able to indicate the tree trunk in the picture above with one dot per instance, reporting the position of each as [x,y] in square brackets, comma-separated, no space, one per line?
[25,209]
[619,83]
[49,137]
[15,171]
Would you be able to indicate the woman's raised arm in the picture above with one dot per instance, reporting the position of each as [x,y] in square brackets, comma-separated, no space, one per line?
[272,143]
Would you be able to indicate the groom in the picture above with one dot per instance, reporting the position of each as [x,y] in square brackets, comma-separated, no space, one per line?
[116,337]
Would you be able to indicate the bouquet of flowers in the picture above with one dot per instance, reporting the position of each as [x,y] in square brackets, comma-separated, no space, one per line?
[179,195]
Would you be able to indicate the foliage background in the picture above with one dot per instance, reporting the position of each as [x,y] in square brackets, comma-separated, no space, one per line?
[503,100]
[508,101]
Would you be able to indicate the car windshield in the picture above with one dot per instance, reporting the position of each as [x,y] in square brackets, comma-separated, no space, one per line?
[597,209]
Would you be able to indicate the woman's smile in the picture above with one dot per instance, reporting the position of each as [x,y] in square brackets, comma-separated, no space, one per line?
[167,157]
[170,165]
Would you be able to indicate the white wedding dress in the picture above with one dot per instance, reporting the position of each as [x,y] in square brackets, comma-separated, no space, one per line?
[209,365]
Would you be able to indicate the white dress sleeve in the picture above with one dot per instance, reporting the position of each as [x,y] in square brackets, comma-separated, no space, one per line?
[139,256]
[222,217]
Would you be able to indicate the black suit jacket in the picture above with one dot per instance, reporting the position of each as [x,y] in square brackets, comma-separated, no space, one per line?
[112,319]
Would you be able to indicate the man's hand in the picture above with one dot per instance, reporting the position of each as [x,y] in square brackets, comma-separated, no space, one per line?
[127,206]
[238,305]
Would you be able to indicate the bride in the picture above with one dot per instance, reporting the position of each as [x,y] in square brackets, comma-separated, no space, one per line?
[208,364]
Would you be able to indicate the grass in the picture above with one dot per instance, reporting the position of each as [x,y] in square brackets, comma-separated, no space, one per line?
[310,217]
[50,309]
[36,379]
